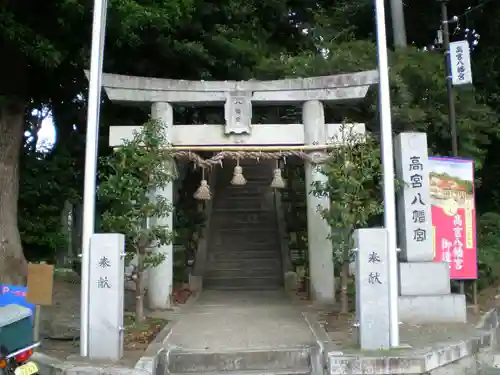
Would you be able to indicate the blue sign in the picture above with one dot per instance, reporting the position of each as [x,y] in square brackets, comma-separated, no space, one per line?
[15,295]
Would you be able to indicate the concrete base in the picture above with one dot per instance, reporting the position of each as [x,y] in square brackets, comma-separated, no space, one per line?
[424,278]
[449,308]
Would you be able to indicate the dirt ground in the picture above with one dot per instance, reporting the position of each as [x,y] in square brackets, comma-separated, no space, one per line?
[59,327]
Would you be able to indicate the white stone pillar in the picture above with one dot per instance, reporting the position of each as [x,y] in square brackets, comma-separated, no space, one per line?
[322,279]
[160,280]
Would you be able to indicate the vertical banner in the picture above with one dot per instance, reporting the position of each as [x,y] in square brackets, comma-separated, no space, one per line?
[454,215]
[461,71]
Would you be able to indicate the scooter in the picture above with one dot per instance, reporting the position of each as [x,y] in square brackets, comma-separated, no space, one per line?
[16,341]
[18,362]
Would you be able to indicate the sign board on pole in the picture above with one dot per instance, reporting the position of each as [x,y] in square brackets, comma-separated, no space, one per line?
[40,284]
[461,72]
[13,294]
[454,215]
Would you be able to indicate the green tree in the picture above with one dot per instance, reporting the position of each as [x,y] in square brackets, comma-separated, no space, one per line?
[134,172]
[418,95]
[40,65]
[354,172]
[488,253]
[42,69]
[47,182]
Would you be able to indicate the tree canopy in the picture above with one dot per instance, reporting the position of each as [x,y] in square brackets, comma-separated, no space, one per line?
[45,47]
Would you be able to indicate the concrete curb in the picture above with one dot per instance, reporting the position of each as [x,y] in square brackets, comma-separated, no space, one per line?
[51,366]
[421,361]
[318,353]
[149,362]
[154,359]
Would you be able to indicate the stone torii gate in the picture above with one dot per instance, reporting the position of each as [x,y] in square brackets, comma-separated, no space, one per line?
[238,97]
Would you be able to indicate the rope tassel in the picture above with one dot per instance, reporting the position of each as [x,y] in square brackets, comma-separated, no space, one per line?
[238,178]
[203,192]
[277,182]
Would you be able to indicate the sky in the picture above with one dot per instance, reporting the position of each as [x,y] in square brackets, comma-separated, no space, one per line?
[47,133]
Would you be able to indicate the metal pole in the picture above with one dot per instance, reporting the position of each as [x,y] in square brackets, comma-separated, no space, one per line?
[449,91]
[388,169]
[398,24]
[89,190]
[449,83]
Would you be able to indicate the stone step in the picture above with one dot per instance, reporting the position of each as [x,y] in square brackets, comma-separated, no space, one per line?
[490,371]
[234,195]
[242,204]
[244,251]
[215,272]
[254,233]
[304,371]
[243,283]
[243,218]
[251,234]
[245,189]
[250,238]
[225,209]
[239,245]
[253,237]
[265,263]
[246,231]
[263,183]
[235,199]
[252,230]
[244,254]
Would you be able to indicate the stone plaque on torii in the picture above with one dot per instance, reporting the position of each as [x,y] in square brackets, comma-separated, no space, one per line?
[238,113]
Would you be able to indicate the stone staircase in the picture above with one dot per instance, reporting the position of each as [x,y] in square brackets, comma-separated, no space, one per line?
[243,246]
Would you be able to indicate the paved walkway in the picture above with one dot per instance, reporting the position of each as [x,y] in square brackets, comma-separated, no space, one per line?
[241,320]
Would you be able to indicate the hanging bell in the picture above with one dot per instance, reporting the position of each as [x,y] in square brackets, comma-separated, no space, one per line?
[238,178]
[277,182]
[203,192]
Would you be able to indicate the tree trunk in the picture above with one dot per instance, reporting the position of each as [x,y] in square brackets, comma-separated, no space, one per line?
[139,299]
[13,265]
[139,293]
[65,255]
[344,282]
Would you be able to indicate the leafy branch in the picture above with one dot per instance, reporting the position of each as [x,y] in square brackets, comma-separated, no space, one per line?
[134,174]
[353,174]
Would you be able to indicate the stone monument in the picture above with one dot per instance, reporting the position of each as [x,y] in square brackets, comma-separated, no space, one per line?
[372,288]
[106,296]
[424,284]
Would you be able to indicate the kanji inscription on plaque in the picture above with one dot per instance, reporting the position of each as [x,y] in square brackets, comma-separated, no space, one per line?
[238,113]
